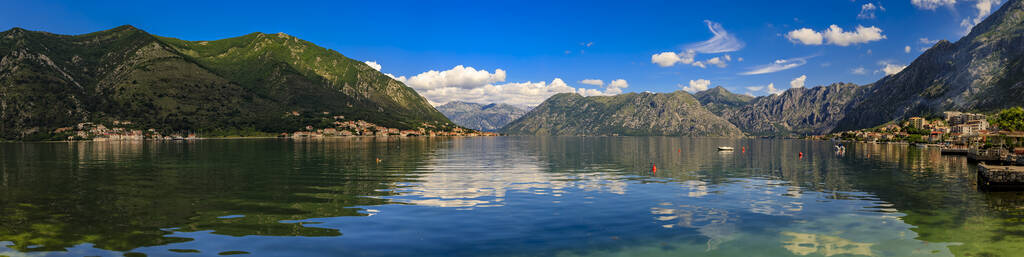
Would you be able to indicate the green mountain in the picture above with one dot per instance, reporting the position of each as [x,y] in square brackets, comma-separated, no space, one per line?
[982,72]
[49,81]
[677,114]
[485,117]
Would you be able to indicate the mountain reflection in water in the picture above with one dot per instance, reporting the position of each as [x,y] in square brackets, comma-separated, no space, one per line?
[565,196]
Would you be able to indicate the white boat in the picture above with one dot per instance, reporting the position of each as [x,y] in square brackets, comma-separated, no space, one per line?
[725,148]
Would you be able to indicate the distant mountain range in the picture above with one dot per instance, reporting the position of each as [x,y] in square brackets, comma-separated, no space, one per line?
[983,72]
[484,117]
[249,82]
[677,114]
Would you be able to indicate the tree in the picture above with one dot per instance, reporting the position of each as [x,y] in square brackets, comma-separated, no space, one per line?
[1011,119]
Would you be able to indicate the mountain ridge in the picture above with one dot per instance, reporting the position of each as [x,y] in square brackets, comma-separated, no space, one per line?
[670,114]
[981,72]
[49,81]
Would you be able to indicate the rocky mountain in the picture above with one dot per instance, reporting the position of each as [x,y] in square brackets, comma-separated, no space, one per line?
[677,114]
[485,117]
[799,111]
[718,100]
[982,72]
[49,81]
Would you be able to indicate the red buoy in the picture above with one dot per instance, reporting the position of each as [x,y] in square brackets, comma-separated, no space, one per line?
[654,168]
[801,155]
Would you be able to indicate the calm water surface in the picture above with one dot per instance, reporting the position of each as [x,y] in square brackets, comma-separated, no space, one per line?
[503,196]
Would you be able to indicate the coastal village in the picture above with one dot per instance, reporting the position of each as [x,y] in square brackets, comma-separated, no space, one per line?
[117,130]
[953,128]
[999,151]
[959,133]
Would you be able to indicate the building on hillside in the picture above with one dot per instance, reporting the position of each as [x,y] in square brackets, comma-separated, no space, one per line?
[977,125]
[954,118]
[916,122]
[971,127]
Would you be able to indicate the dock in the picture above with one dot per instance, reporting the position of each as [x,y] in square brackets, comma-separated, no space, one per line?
[995,177]
[987,155]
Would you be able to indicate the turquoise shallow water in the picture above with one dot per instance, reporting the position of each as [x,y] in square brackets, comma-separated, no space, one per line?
[497,196]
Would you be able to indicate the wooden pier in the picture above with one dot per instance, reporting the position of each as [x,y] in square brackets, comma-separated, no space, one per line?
[994,177]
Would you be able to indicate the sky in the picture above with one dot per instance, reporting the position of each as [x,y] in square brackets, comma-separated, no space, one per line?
[521,52]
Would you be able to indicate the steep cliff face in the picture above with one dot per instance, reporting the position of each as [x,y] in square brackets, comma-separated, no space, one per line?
[485,117]
[798,111]
[981,72]
[677,114]
[49,81]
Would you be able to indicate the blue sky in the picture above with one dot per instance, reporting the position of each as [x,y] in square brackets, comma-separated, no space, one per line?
[559,44]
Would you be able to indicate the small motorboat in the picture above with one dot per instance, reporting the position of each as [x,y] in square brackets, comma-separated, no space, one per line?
[725,148]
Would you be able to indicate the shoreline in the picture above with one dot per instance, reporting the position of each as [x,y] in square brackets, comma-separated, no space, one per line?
[232,138]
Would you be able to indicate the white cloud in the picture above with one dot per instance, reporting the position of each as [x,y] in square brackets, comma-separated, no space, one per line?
[721,42]
[932,4]
[867,11]
[592,82]
[859,70]
[667,59]
[798,81]
[373,65]
[906,49]
[890,68]
[696,85]
[778,65]
[927,41]
[805,36]
[615,87]
[835,35]
[458,76]
[770,89]
[984,9]
[522,93]
[480,86]
[720,62]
